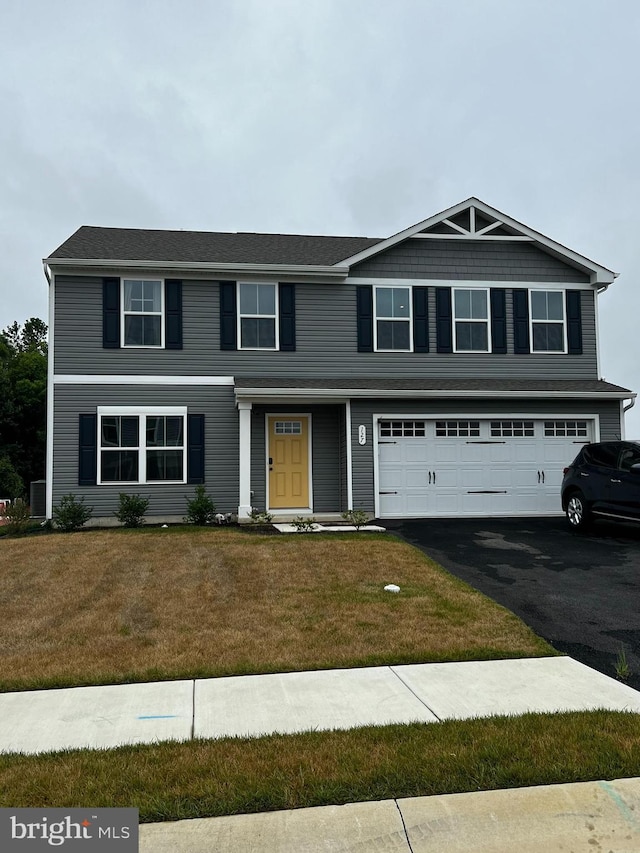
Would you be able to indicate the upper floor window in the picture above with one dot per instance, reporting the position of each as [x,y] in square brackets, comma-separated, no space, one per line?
[547,321]
[257,317]
[471,320]
[392,318]
[142,312]
[142,447]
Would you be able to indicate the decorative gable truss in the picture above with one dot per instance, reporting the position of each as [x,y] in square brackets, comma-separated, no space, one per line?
[474,220]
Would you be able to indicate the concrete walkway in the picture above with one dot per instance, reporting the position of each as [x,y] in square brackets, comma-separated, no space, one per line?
[584,816]
[249,706]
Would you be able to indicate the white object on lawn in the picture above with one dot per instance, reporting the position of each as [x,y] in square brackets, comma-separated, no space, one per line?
[392,587]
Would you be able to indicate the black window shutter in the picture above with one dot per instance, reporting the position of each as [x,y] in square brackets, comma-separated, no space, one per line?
[574,322]
[111,313]
[173,314]
[498,320]
[87,450]
[364,303]
[228,319]
[287,316]
[521,321]
[195,449]
[443,319]
[420,320]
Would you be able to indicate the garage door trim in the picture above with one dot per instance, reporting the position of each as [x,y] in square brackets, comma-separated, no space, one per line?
[592,418]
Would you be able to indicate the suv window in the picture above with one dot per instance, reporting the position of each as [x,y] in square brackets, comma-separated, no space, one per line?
[629,456]
[605,455]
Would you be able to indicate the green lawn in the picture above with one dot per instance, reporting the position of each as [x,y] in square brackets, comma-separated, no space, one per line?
[107,606]
[206,778]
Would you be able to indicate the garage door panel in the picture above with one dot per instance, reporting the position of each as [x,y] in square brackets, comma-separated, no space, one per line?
[503,470]
[526,451]
[500,478]
[499,452]
[392,453]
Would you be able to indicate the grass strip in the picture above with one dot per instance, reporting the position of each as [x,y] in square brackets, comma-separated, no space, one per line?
[172,781]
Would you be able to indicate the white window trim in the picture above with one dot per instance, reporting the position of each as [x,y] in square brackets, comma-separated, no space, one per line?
[142,414]
[486,321]
[275,316]
[565,348]
[161,314]
[408,319]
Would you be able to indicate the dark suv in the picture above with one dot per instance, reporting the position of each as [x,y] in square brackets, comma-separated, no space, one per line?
[603,481]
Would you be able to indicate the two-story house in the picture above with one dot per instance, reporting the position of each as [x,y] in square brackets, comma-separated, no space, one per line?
[449,370]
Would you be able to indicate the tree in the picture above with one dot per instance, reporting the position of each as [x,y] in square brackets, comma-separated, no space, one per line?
[23,387]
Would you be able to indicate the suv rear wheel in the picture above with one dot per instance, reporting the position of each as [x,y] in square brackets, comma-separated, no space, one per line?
[578,512]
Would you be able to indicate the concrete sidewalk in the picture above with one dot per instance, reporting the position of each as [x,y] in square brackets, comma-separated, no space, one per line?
[250,706]
[584,816]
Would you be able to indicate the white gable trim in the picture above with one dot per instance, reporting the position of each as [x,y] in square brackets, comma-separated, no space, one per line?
[599,274]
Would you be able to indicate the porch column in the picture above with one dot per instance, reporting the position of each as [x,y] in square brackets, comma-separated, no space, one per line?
[244,508]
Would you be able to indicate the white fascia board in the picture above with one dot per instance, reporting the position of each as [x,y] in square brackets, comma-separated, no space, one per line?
[137,379]
[255,394]
[337,271]
[599,274]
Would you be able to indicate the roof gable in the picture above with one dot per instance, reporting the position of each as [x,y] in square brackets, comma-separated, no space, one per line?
[473,220]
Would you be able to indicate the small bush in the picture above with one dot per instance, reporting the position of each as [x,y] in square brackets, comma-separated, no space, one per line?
[304,525]
[131,510]
[17,517]
[260,516]
[357,517]
[201,509]
[71,513]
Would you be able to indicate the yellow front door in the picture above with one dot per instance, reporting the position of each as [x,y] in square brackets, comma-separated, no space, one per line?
[288,462]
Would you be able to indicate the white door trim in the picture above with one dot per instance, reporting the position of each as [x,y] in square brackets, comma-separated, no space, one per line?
[284,416]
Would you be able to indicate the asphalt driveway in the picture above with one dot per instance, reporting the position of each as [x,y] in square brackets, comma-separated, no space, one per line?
[581,592]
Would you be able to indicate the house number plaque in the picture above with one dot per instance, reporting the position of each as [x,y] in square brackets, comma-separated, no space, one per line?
[362,434]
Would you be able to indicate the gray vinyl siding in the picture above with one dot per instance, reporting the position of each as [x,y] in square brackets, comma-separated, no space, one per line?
[478,260]
[362,413]
[328,461]
[326,341]
[221,445]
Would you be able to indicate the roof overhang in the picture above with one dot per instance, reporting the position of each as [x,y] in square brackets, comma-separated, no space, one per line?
[598,274]
[336,272]
[270,395]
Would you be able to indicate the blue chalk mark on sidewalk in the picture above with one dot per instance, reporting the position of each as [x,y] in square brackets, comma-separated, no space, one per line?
[158,717]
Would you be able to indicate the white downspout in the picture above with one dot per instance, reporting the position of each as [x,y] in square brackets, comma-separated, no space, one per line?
[625,409]
[50,390]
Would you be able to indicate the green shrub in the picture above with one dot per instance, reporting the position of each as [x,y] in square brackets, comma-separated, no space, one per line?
[17,517]
[71,514]
[357,517]
[131,510]
[304,525]
[201,509]
[260,516]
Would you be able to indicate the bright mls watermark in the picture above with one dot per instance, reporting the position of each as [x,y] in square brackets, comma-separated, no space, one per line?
[79,830]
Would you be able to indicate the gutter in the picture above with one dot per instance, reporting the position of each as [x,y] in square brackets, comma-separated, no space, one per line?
[320,393]
[300,271]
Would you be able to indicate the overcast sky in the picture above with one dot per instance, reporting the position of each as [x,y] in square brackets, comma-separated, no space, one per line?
[353,117]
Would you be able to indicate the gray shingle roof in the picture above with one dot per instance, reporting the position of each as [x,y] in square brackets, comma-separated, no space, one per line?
[136,244]
[588,386]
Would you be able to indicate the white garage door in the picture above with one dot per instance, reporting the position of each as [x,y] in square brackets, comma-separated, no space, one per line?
[474,467]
